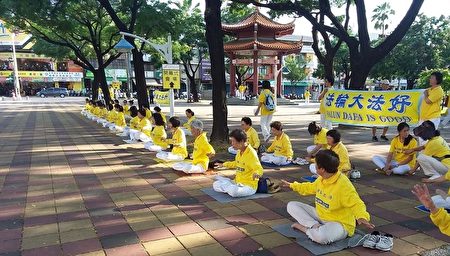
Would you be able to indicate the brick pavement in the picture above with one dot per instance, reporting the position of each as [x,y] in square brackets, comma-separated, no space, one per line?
[69,187]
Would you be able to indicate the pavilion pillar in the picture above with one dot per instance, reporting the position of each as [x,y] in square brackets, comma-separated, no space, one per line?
[255,73]
[280,74]
[232,77]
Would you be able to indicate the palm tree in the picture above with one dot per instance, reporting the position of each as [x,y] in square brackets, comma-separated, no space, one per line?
[381,16]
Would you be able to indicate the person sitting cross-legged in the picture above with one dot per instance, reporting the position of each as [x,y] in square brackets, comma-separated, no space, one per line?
[338,207]
[134,122]
[119,120]
[158,135]
[178,142]
[280,152]
[190,117]
[203,151]
[397,162]
[248,168]
[252,135]
[143,129]
[335,144]
[320,139]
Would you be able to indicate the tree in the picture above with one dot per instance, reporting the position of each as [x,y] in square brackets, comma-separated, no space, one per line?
[381,17]
[363,55]
[296,66]
[147,18]
[78,30]
[214,38]
[420,49]
[424,78]
[191,41]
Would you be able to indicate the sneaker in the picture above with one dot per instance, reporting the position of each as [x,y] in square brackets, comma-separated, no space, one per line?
[372,240]
[386,243]
[374,138]
[355,174]
[382,137]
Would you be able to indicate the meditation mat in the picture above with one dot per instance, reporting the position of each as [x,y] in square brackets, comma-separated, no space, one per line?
[422,208]
[309,178]
[264,164]
[319,249]
[225,198]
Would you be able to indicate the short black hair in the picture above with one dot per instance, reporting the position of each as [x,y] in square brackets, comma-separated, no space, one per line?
[124,101]
[314,128]
[439,76]
[131,102]
[190,111]
[328,160]
[87,99]
[116,101]
[265,84]
[247,120]
[330,79]
[174,121]
[157,109]
[239,135]
[110,107]
[335,135]
[277,125]
[158,119]
[120,108]
[116,105]
[142,112]
[133,111]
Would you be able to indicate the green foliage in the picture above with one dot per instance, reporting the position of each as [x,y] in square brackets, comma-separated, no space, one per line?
[296,66]
[235,12]
[424,76]
[381,16]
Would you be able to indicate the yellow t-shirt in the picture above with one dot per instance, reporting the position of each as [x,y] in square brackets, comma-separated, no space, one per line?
[344,160]
[145,126]
[201,150]
[102,113]
[398,149]
[441,219]
[246,165]
[111,116]
[321,138]
[187,125]
[158,135]
[307,94]
[252,138]
[433,110]
[126,110]
[336,200]
[134,123]
[148,113]
[281,146]
[179,143]
[95,111]
[242,88]
[120,119]
[438,147]
[262,99]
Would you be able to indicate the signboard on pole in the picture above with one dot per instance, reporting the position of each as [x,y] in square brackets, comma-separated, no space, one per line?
[171,76]
[162,98]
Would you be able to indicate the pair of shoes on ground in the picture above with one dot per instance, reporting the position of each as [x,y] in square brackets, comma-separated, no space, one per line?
[382,137]
[378,241]
[300,161]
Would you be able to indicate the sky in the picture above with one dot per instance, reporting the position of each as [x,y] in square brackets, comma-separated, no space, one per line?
[429,8]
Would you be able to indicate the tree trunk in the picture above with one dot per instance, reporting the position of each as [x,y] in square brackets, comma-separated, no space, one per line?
[94,85]
[194,89]
[102,83]
[359,76]
[139,74]
[214,38]
[410,83]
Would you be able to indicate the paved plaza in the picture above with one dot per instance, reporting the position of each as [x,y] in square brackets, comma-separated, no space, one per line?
[70,187]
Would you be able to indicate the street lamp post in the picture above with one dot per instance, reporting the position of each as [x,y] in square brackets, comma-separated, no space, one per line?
[166,51]
[16,68]
[125,47]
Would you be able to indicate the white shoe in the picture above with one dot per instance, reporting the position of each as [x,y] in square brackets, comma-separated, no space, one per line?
[386,243]
[372,240]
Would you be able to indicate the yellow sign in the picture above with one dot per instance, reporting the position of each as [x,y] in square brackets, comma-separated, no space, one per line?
[162,98]
[171,76]
[372,108]
[116,85]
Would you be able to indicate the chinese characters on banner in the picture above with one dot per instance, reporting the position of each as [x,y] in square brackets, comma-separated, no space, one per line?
[162,98]
[372,108]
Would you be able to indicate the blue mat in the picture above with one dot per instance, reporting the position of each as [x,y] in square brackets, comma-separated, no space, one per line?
[424,209]
[275,166]
[225,198]
[309,178]
[319,249]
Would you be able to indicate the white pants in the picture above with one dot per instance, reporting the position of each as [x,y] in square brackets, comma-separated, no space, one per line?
[306,216]
[307,100]
[278,160]
[435,121]
[187,132]
[232,151]
[324,123]
[168,156]
[152,147]
[188,167]
[137,135]
[431,166]
[380,161]
[228,186]
[101,121]
[310,149]
[441,202]
[265,125]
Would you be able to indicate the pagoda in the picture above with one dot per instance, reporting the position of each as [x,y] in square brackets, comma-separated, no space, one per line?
[257,44]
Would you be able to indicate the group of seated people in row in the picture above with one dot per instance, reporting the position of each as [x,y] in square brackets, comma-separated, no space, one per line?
[338,205]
